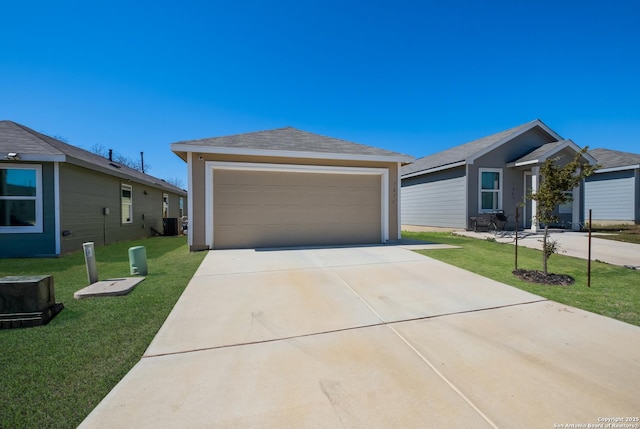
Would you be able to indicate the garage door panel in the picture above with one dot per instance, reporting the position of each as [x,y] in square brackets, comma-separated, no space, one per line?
[266,209]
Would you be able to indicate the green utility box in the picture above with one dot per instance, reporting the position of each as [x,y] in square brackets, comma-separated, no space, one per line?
[138,261]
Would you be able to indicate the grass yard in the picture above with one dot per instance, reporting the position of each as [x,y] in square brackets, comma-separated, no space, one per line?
[52,376]
[626,233]
[614,292]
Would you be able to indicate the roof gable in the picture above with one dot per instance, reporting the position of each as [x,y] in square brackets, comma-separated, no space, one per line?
[289,142]
[34,146]
[468,152]
[547,151]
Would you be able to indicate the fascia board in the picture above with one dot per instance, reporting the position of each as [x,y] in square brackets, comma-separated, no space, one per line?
[433,170]
[39,157]
[180,147]
[611,169]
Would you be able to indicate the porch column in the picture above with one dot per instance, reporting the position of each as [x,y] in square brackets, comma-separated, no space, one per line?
[535,175]
[575,209]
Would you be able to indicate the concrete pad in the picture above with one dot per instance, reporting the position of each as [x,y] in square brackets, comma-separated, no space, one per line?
[252,261]
[535,365]
[427,288]
[364,256]
[364,378]
[111,287]
[224,310]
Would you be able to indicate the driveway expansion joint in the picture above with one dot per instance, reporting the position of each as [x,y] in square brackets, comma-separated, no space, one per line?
[353,328]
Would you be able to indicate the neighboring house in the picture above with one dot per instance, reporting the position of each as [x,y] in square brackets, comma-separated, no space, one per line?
[287,187]
[613,191]
[486,175]
[55,196]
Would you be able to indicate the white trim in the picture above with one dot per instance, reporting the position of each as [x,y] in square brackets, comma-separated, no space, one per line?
[480,190]
[182,147]
[398,202]
[535,182]
[122,187]
[435,169]
[210,166]
[35,157]
[38,227]
[56,204]
[190,199]
[524,215]
[612,169]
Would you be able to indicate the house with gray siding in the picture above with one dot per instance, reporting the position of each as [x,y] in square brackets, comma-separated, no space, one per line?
[494,173]
[55,196]
[613,191]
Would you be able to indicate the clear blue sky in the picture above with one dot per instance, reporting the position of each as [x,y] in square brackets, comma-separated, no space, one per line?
[416,77]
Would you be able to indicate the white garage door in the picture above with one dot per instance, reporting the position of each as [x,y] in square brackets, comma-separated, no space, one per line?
[272,208]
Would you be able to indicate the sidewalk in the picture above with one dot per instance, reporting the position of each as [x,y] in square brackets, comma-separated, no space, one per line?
[574,244]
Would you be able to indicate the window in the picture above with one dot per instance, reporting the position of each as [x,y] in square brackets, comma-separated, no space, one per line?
[20,198]
[490,189]
[165,205]
[181,205]
[126,200]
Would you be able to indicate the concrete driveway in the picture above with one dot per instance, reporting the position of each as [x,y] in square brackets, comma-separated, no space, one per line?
[371,337]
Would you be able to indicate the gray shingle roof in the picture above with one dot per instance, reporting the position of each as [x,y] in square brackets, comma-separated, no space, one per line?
[540,152]
[463,152]
[289,140]
[31,144]
[608,158]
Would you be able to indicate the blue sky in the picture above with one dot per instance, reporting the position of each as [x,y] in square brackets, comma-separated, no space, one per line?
[416,77]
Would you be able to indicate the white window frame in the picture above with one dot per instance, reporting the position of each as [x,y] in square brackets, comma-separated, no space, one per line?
[37,228]
[124,186]
[497,191]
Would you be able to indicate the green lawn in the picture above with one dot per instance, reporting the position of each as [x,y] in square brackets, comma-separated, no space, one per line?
[52,376]
[625,233]
[614,291]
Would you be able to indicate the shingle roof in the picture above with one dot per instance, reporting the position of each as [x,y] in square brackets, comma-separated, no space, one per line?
[33,145]
[608,158]
[540,152]
[463,152]
[288,140]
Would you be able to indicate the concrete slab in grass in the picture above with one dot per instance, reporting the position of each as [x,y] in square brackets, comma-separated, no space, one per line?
[365,378]
[222,310]
[535,365]
[111,287]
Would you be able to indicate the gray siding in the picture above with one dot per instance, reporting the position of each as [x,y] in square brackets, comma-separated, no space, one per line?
[611,196]
[436,200]
[85,193]
[513,192]
[35,244]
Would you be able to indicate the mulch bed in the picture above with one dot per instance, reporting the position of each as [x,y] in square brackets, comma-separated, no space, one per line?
[536,276]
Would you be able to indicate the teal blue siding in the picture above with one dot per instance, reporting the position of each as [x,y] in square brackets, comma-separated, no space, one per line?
[16,245]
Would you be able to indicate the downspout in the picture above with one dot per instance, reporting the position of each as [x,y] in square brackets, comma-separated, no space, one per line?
[56,203]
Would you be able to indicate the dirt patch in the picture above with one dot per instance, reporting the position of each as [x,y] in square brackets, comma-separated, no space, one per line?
[536,276]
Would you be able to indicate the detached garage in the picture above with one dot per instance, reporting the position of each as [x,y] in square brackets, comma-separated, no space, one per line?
[288,187]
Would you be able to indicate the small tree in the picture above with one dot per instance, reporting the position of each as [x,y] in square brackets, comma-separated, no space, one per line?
[555,182]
